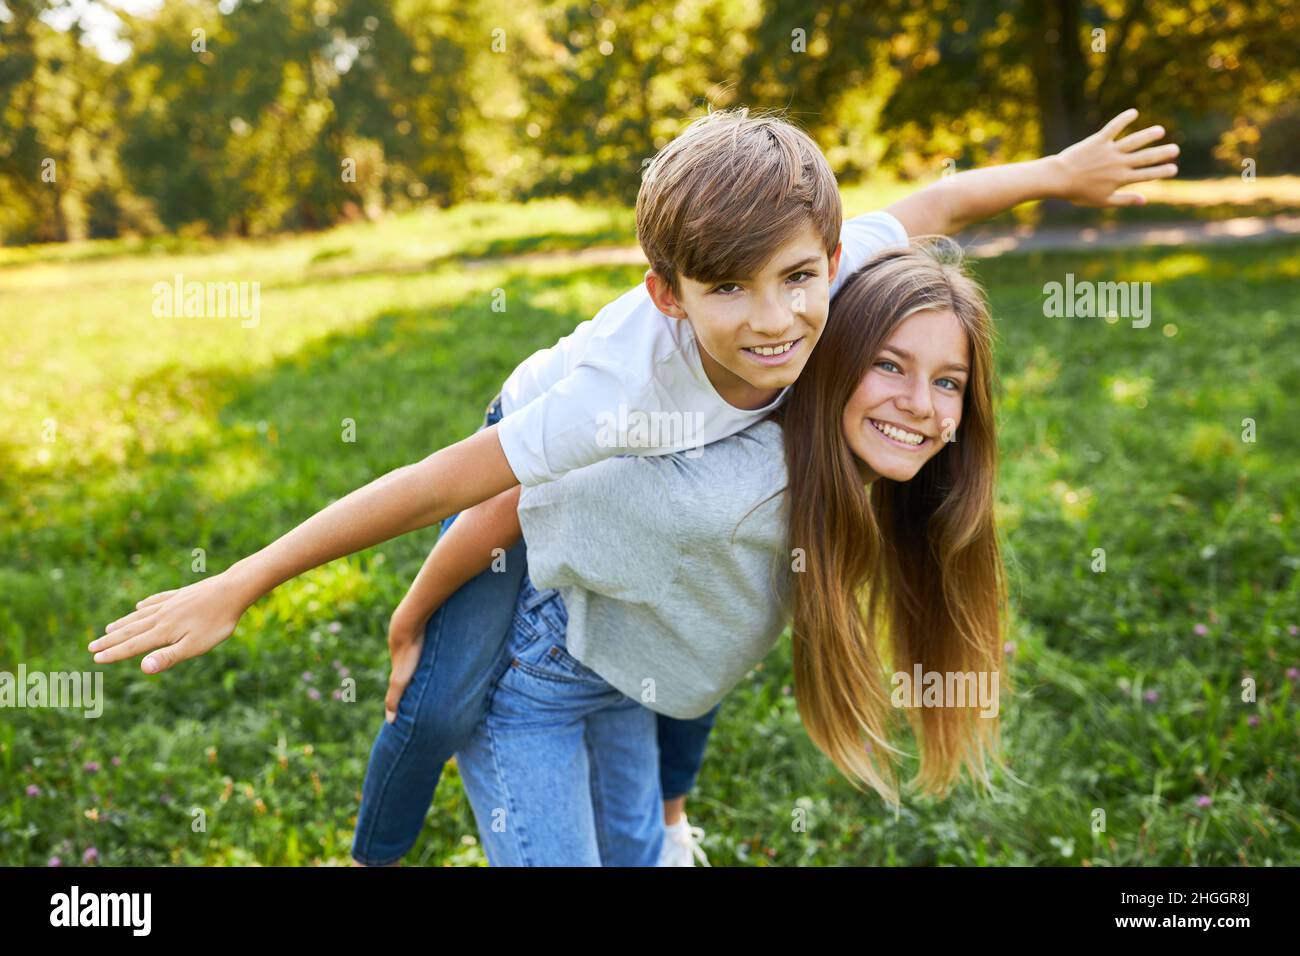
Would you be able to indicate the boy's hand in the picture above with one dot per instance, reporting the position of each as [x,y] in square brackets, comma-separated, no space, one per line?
[405,641]
[184,623]
[1093,168]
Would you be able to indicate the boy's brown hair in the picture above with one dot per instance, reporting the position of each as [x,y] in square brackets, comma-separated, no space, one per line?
[717,201]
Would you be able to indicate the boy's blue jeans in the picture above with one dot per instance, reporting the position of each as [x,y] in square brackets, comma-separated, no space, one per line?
[465,645]
[563,769]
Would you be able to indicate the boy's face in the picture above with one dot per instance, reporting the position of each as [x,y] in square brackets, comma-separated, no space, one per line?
[756,332]
[915,385]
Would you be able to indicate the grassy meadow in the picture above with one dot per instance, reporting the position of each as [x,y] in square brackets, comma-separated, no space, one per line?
[128,441]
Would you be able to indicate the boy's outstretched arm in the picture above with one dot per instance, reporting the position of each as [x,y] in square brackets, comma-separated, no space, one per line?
[192,620]
[467,548]
[1089,173]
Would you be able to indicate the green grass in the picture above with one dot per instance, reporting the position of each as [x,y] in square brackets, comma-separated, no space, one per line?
[177,434]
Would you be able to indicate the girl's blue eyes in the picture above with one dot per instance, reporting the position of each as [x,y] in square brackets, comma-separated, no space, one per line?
[956,386]
[806,275]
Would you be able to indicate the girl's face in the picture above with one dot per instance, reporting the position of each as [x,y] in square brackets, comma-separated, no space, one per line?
[913,390]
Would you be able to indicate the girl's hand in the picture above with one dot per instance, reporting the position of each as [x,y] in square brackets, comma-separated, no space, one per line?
[1094,168]
[405,641]
[176,625]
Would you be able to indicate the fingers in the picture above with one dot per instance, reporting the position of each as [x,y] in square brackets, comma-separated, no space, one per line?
[398,680]
[397,684]
[120,635]
[393,698]
[1152,172]
[131,618]
[146,638]
[1157,154]
[167,657]
[405,662]
[155,598]
[1111,129]
[1126,199]
[1143,137]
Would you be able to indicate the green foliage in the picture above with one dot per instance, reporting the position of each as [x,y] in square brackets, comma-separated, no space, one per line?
[252,116]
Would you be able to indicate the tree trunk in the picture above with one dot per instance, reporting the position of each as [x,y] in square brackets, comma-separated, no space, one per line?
[1059,75]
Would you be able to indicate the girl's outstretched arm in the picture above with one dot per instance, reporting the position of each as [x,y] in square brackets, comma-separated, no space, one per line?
[184,623]
[475,540]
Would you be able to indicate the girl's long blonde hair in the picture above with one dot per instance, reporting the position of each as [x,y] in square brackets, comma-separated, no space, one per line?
[895,573]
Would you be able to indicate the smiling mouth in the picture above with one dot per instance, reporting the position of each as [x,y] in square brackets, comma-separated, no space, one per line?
[899,436]
[768,351]
[774,354]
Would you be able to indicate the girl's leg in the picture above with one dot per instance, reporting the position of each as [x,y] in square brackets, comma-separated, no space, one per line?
[681,752]
[463,642]
[530,791]
[529,770]
[625,792]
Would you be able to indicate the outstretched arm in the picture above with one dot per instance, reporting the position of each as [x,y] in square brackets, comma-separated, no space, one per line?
[1089,173]
[192,620]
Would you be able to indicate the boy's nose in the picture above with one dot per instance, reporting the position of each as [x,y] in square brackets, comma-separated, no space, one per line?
[772,319]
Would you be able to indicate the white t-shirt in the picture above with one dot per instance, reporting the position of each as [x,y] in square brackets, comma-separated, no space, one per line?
[630,381]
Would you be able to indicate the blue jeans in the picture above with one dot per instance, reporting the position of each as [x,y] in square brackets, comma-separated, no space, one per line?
[465,642]
[563,768]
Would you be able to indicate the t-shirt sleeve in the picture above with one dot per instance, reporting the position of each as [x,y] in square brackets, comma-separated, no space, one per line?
[862,237]
[573,423]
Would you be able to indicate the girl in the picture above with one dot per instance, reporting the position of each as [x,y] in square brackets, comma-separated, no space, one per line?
[883,546]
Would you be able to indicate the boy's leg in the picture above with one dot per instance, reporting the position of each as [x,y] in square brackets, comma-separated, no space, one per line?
[439,710]
[463,641]
[681,751]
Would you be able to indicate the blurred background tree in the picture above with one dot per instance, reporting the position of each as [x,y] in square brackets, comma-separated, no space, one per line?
[251,116]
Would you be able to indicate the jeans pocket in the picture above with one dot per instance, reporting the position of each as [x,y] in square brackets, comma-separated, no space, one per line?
[574,667]
[550,661]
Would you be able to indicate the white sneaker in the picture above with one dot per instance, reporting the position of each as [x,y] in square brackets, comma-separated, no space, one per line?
[682,845]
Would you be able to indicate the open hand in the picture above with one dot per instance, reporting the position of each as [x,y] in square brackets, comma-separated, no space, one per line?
[175,625]
[1094,168]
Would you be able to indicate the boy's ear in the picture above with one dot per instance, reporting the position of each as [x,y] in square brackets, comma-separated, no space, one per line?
[662,296]
[834,266]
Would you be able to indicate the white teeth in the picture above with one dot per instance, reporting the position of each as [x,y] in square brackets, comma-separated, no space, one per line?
[909,438]
[768,350]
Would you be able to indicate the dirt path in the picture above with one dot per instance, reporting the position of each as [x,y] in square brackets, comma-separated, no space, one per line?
[1121,235]
[985,243]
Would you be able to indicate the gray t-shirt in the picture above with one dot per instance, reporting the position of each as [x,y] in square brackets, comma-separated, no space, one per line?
[674,589]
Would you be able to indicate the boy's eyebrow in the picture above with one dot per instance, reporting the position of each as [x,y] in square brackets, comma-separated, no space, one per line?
[904,354]
[807,260]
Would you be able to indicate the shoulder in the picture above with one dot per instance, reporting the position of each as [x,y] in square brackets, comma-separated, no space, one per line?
[632,326]
[883,227]
[736,477]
